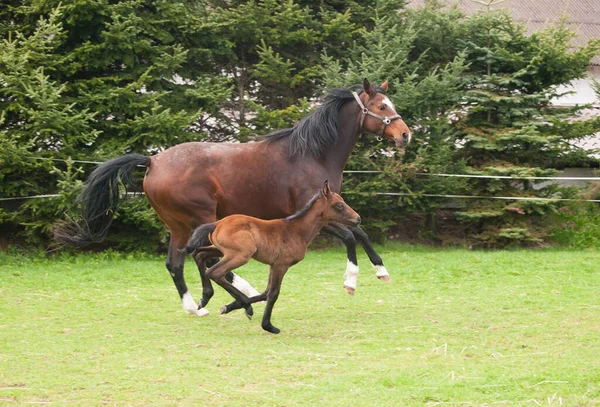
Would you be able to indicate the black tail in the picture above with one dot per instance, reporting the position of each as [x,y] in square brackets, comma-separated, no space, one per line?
[100,199]
[200,237]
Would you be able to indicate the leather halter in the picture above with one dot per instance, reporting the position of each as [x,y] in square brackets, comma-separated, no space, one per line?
[386,120]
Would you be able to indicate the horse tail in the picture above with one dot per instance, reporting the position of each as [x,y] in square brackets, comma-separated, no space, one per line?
[100,199]
[200,237]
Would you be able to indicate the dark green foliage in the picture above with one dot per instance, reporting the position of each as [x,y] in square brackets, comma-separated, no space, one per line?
[92,80]
[96,79]
[477,92]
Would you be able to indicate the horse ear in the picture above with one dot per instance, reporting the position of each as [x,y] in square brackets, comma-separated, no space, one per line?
[326,190]
[368,88]
[384,86]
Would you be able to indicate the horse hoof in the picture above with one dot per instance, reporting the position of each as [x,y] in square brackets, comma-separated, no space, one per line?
[201,312]
[349,290]
[249,312]
[385,278]
[382,274]
[272,329]
[223,310]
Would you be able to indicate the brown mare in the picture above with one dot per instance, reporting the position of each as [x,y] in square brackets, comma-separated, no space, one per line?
[280,243]
[194,183]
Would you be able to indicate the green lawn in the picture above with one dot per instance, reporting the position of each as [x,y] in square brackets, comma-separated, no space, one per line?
[455,327]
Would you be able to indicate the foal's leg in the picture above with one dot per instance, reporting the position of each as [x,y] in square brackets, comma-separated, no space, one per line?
[205,261]
[343,233]
[241,284]
[175,260]
[218,274]
[275,278]
[380,270]
[237,281]
[226,309]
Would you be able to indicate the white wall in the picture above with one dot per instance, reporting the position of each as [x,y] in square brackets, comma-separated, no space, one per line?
[584,93]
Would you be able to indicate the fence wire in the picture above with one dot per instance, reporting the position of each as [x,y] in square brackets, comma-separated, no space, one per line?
[421,174]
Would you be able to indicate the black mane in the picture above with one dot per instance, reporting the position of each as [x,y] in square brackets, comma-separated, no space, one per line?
[306,208]
[317,132]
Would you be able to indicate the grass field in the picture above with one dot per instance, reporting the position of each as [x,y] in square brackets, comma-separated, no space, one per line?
[455,327]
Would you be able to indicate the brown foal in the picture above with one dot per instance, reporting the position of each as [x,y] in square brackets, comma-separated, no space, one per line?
[280,243]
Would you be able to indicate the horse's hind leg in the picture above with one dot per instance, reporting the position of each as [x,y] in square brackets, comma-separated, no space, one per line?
[380,270]
[237,281]
[207,288]
[175,261]
[218,274]
[343,233]
[226,309]
[275,278]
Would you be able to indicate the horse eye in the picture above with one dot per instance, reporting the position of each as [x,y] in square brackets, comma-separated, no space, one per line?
[339,206]
[382,107]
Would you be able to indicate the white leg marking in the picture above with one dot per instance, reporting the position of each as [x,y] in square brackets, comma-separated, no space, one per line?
[189,306]
[351,277]
[244,286]
[382,273]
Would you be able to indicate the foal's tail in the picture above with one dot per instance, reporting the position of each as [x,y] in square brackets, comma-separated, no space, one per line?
[200,237]
[100,199]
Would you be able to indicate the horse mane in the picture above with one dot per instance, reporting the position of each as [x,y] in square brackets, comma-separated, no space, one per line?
[306,208]
[318,131]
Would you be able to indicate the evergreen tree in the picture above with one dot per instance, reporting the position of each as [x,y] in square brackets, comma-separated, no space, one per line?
[36,120]
[274,54]
[508,126]
[477,93]
[424,93]
[93,80]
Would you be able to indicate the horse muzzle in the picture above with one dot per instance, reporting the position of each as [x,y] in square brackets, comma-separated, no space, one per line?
[403,140]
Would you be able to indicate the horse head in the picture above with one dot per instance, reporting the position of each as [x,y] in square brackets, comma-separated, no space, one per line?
[335,209]
[379,116]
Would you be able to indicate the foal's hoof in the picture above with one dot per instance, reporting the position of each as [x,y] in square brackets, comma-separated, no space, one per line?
[271,328]
[349,290]
[249,312]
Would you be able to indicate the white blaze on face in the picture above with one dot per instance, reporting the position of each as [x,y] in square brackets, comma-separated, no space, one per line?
[388,103]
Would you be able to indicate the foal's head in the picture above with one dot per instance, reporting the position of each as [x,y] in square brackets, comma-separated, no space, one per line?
[334,209]
[379,115]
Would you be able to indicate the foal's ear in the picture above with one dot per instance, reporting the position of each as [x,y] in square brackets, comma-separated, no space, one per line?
[326,191]
[384,86]
[370,90]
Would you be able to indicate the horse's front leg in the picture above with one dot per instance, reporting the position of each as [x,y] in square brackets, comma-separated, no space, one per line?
[347,237]
[275,278]
[380,270]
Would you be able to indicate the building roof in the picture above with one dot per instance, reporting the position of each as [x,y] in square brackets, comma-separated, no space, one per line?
[583,16]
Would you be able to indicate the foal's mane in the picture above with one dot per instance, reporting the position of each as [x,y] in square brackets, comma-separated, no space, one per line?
[319,131]
[306,208]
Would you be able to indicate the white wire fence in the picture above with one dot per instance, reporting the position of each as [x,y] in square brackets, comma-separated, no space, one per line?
[414,195]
